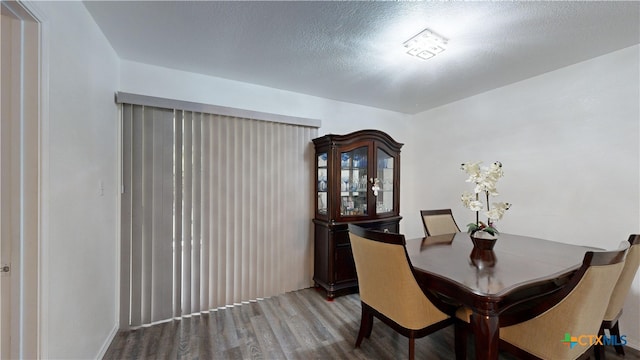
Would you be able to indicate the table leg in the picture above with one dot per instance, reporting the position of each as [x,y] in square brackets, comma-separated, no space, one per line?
[486,331]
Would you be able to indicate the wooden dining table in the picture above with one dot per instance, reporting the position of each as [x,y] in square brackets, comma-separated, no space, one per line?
[519,270]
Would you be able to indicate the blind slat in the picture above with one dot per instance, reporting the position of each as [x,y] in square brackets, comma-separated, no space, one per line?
[186,213]
[204,213]
[178,215]
[197,216]
[147,216]
[162,214]
[126,214]
[136,216]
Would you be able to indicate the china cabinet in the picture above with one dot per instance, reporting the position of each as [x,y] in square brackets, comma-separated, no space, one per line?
[357,181]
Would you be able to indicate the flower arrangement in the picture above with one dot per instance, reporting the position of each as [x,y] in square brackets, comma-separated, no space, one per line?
[485,179]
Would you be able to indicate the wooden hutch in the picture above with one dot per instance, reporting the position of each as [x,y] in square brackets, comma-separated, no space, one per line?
[357,181]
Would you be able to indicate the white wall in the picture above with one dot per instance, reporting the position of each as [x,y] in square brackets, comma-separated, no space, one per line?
[337,117]
[568,140]
[79,255]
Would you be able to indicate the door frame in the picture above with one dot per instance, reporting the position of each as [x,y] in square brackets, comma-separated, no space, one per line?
[28,103]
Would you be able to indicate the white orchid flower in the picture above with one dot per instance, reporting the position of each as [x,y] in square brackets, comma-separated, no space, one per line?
[491,189]
[486,184]
[476,205]
[467,198]
[498,210]
[504,206]
[472,169]
[495,169]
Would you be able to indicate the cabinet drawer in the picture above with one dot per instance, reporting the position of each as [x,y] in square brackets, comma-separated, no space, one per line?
[341,234]
[393,227]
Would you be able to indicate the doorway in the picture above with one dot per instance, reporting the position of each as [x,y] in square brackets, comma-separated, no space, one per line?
[19,182]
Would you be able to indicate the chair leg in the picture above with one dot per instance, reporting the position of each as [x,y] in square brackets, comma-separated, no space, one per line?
[460,336]
[366,325]
[412,347]
[598,350]
[615,330]
[369,325]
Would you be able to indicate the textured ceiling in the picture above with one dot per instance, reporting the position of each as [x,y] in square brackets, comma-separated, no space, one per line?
[352,51]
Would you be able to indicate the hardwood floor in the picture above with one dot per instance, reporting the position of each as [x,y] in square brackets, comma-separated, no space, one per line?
[296,325]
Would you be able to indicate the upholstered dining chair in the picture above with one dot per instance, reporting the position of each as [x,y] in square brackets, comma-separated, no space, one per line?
[576,310]
[438,222]
[620,291]
[389,290]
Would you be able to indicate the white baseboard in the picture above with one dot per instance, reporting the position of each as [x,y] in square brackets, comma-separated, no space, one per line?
[107,342]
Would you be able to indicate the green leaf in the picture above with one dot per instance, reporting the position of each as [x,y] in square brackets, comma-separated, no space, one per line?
[472,227]
[491,230]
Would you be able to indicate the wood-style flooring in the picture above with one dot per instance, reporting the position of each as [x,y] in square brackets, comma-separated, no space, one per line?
[296,325]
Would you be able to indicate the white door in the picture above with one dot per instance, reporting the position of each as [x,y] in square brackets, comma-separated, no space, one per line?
[8,24]
[19,177]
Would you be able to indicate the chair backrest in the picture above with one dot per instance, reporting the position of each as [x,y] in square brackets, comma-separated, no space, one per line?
[578,310]
[438,222]
[386,280]
[621,290]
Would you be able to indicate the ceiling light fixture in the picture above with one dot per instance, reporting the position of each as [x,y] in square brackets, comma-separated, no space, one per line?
[425,45]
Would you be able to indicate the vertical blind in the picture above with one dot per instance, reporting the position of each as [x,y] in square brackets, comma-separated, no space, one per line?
[216,210]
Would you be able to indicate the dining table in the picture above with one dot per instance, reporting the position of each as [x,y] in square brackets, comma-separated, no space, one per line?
[492,283]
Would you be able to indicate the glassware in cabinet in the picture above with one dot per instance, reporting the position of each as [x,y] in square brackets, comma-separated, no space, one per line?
[322,184]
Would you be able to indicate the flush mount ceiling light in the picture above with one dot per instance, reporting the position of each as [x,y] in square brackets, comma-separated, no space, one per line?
[425,45]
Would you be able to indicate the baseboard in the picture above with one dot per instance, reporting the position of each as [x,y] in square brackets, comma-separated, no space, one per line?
[634,345]
[107,342]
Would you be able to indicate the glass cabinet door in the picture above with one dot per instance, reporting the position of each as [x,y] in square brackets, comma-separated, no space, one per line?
[322,185]
[384,180]
[353,182]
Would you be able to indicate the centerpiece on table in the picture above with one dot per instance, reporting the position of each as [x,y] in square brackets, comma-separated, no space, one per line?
[484,235]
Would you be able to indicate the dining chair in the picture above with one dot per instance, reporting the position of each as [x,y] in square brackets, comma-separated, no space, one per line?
[574,310]
[389,290]
[438,222]
[619,295]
